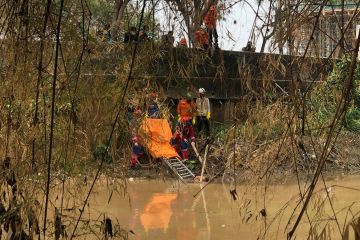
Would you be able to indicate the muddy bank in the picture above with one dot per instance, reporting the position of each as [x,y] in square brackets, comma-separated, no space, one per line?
[255,162]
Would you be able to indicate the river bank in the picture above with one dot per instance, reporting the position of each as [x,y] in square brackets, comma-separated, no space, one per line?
[255,162]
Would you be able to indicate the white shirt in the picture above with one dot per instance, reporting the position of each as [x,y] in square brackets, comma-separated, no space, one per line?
[202,106]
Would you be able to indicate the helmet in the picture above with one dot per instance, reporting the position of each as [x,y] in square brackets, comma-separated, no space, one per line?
[153,95]
[202,90]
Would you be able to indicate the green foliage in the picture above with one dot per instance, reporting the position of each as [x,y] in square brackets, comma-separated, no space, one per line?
[326,97]
[339,72]
[191,164]
[352,119]
[219,130]
[102,11]
[100,152]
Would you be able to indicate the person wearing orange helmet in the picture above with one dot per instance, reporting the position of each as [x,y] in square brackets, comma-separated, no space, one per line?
[210,23]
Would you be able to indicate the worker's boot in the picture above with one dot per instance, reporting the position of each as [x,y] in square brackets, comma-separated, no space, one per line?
[133,161]
[185,155]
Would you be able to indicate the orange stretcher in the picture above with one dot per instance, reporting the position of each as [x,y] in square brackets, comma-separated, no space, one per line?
[156,138]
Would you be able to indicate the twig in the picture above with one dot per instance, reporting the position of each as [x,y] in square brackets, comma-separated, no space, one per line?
[204,163]
[39,78]
[114,123]
[58,29]
[337,118]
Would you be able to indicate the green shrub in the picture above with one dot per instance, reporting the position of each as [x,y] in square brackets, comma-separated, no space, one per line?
[352,119]
[326,97]
[100,152]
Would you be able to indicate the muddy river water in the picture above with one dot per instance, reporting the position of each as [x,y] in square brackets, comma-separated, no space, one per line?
[169,210]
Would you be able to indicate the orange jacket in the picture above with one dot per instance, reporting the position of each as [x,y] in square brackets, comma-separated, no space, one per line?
[211,17]
[185,110]
[205,38]
[201,37]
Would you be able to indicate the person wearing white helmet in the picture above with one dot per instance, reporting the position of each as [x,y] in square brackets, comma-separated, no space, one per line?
[203,113]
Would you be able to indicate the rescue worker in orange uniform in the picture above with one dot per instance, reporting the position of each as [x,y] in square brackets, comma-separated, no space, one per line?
[186,110]
[210,23]
[184,132]
[202,39]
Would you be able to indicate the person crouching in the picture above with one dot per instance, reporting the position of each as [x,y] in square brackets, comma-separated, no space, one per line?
[182,137]
[137,150]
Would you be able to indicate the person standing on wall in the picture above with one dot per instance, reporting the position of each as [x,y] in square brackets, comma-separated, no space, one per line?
[131,35]
[203,113]
[202,39]
[210,23]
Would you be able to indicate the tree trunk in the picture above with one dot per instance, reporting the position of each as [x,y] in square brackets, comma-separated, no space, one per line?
[193,13]
[119,10]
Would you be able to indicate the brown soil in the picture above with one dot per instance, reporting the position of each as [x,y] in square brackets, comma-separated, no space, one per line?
[264,159]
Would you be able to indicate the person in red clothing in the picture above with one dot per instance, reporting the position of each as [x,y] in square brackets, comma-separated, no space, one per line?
[202,38]
[205,40]
[198,37]
[210,23]
[183,43]
[183,135]
[137,149]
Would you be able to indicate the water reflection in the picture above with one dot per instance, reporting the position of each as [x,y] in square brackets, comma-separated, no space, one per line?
[157,212]
[168,214]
